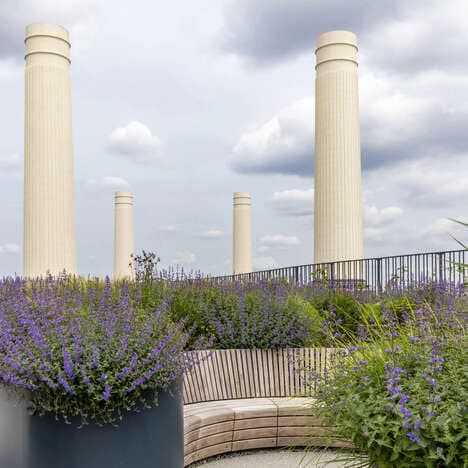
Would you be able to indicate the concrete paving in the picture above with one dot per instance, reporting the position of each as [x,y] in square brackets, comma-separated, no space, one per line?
[282,458]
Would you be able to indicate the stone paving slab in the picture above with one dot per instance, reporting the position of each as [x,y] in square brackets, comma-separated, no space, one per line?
[279,459]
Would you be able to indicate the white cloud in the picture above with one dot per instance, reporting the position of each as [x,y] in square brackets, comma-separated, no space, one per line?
[294,202]
[213,234]
[400,120]
[106,183]
[264,263]
[11,162]
[9,248]
[283,144]
[184,258]
[136,142]
[374,216]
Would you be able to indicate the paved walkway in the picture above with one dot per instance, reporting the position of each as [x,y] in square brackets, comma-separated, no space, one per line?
[282,458]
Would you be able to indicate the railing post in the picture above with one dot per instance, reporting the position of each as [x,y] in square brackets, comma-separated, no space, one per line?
[441,265]
[332,273]
[379,276]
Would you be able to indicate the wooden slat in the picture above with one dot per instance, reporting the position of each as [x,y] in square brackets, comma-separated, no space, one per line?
[209,430]
[276,383]
[306,367]
[204,384]
[189,386]
[287,387]
[236,376]
[196,377]
[297,383]
[266,374]
[304,420]
[218,384]
[281,388]
[255,433]
[256,380]
[263,442]
[247,363]
[271,373]
[323,360]
[261,372]
[231,384]
[241,371]
[218,364]
[264,421]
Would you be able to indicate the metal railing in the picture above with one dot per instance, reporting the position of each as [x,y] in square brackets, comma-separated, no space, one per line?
[376,274]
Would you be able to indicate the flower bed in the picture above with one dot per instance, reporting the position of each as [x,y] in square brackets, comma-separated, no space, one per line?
[96,352]
[87,353]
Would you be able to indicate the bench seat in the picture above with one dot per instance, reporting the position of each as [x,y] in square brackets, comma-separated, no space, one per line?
[223,426]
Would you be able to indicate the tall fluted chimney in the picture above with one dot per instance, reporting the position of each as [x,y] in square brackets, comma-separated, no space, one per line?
[124,244]
[49,206]
[242,233]
[338,228]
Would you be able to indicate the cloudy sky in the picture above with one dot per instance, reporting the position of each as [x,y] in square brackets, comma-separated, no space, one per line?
[184,102]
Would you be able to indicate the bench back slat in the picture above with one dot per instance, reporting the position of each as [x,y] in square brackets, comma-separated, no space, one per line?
[245,373]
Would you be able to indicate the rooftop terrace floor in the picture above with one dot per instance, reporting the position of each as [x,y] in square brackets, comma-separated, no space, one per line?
[282,458]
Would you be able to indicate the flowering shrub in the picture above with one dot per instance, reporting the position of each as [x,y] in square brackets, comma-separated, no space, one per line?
[260,316]
[400,391]
[242,315]
[85,349]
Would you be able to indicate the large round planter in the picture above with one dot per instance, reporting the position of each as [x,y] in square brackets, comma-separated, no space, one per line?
[151,438]
[14,421]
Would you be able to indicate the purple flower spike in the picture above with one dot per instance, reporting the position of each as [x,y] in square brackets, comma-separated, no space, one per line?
[106,395]
[67,363]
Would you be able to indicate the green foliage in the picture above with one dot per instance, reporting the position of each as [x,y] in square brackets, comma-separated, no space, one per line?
[400,395]
[317,319]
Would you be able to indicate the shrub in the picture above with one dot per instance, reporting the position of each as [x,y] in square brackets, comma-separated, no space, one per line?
[259,316]
[86,350]
[241,314]
[400,394]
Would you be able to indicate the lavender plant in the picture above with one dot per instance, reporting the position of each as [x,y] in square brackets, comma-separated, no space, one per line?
[232,314]
[399,391]
[261,315]
[86,349]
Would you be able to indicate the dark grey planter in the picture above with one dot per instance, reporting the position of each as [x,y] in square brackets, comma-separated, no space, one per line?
[14,421]
[152,438]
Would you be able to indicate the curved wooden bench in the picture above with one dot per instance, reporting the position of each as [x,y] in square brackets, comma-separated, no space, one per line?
[244,399]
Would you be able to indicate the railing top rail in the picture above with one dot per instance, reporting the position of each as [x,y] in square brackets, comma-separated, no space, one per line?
[342,262]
